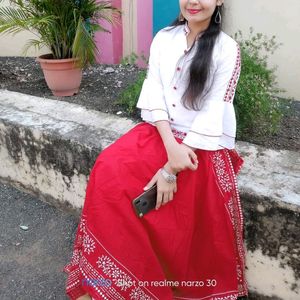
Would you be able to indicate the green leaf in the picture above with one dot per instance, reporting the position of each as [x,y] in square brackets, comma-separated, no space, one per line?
[66,27]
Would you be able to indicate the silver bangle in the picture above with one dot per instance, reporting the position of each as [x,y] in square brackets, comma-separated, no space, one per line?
[170,178]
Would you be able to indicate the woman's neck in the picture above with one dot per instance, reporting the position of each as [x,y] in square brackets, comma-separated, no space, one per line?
[196,28]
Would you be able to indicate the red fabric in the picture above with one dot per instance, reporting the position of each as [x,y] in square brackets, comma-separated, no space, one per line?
[196,237]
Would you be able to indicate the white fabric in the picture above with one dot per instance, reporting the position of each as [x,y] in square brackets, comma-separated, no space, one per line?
[214,126]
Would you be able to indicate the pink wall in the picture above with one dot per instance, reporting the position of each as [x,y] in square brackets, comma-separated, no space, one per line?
[110,45]
[144,28]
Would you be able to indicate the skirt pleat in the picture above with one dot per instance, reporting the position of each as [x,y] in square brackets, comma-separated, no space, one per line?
[190,248]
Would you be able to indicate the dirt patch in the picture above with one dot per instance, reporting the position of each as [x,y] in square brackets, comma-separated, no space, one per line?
[101,86]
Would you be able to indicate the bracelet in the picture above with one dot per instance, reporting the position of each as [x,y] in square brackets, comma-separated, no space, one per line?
[170,178]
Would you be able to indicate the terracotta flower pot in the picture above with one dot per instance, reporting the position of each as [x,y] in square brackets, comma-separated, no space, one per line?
[61,75]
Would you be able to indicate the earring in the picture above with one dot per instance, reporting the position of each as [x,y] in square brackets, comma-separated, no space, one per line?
[218,17]
[180,18]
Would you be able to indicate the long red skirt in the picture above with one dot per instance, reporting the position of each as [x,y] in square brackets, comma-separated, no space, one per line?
[190,248]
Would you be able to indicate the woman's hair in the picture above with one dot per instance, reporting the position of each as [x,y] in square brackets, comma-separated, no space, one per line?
[200,65]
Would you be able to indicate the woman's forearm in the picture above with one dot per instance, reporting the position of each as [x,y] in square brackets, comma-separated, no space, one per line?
[170,144]
[167,136]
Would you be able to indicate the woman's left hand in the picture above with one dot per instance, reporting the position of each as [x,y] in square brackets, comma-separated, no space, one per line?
[165,190]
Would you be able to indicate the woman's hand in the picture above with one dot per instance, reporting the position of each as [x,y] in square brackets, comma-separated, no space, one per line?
[165,190]
[181,157]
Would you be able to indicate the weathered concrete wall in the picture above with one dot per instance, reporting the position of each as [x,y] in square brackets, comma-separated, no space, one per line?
[51,153]
[48,147]
[270,190]
[271,174]
[272,240]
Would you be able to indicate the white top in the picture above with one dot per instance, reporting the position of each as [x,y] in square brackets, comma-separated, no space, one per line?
[214,126]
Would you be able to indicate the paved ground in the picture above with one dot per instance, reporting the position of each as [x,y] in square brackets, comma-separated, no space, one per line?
[31,261]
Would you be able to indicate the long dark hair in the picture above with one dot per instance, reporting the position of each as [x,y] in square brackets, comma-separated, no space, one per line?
[200,65]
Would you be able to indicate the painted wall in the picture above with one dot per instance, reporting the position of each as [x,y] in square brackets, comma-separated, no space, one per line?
[13,45]
[129,11]
[110,44]
[272,18]
[164,13]
[144,29]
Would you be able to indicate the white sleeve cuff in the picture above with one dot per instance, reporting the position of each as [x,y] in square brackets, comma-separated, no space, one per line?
[151,96]
[201,141]
[154,115]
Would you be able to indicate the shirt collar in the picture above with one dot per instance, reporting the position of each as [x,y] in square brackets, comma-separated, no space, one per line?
[187,30]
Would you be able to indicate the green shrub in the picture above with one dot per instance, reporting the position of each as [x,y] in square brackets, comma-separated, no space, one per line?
[130,95]
[133,58]
[258,109]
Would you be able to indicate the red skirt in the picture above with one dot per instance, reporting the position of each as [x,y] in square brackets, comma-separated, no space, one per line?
[190,248]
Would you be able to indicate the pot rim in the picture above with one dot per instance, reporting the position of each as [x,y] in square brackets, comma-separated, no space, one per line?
[46,58]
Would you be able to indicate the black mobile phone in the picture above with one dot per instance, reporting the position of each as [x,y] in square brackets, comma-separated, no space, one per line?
[145,202]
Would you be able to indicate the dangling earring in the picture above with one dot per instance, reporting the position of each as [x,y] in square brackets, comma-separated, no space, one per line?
[180,18]
[218,17]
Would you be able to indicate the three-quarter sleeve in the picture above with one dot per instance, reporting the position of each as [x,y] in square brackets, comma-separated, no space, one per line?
[210,128]
[151,99]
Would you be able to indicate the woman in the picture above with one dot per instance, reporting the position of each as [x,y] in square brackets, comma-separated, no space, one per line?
[191,246]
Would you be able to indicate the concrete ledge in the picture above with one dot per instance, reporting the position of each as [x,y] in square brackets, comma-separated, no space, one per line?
[48,148]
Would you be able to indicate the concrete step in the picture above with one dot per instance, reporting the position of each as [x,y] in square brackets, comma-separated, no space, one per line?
[48,147]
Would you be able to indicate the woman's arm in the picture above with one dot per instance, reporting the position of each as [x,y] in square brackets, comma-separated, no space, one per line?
[153,104]
[179,158]
[179,155]
[152,100]
[167,136]
[208,126]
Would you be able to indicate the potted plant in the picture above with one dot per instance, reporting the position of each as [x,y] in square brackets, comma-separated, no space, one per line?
[67,28]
